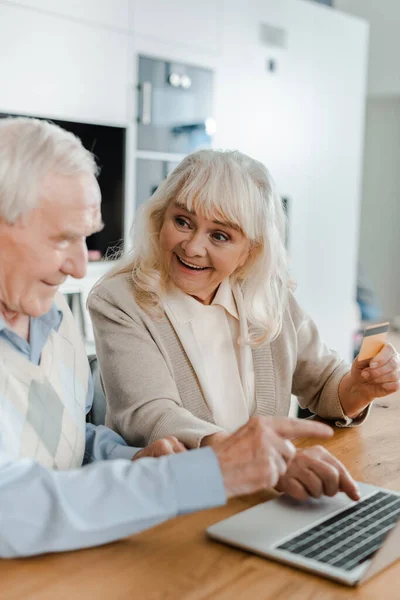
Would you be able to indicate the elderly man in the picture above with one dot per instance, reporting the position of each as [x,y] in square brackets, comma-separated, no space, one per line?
[49,204]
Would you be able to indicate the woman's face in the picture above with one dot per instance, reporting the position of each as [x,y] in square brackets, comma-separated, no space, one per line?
[200,253]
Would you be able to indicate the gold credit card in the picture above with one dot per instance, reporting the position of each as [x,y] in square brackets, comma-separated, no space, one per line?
[373,340]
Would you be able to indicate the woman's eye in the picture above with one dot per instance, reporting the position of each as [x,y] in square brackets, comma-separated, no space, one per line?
[220,237]
[181,222]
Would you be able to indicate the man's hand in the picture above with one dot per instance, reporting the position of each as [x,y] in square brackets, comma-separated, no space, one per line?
[167,445]
[214,438]
[370,379]
[258,454]
[315,472]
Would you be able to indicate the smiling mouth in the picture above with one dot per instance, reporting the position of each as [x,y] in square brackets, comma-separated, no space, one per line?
[189,265]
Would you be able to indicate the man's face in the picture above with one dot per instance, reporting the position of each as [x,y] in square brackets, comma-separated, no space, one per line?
[47,244]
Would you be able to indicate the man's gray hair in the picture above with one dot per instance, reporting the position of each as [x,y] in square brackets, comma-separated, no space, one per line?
[31,149]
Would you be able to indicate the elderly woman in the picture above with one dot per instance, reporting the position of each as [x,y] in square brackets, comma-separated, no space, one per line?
[198,329]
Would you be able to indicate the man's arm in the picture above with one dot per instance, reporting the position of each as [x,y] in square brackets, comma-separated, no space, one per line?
[50,511]
[101,442]
[104,444]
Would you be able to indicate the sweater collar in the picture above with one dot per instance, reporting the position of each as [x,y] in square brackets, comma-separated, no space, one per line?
[185,308]
[40,329]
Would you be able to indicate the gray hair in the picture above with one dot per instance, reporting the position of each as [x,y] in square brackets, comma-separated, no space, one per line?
[231,186]
[30,149]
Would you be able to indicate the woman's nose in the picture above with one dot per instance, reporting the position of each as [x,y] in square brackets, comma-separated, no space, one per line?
[195,245]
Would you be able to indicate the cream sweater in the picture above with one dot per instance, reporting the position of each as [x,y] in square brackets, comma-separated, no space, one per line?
[152,390]
[42,408]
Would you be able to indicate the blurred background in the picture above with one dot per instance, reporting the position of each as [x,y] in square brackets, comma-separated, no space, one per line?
[312,89]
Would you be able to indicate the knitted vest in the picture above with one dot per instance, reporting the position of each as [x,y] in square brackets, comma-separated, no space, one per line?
[42,408]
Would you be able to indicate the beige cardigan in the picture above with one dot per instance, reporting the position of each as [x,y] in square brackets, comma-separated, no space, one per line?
[152,390]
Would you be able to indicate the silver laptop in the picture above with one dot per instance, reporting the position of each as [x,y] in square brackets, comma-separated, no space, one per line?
[333,537]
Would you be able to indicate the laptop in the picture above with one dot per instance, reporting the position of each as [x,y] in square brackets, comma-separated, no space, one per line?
[333,537]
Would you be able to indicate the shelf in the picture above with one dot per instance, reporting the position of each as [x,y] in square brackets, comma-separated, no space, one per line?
[95,270]
[164,156]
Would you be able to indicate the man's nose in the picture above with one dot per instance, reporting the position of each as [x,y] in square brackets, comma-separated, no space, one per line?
[76,263]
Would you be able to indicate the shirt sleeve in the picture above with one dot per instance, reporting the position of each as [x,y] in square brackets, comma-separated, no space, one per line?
[42,510]
[101,442]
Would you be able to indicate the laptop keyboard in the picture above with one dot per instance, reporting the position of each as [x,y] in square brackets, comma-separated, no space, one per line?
[351,536]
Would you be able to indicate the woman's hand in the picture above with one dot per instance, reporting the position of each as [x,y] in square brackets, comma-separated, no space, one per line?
[370,379]
[315,472]
[167,445]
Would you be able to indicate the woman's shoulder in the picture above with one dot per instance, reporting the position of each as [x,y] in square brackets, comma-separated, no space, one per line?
[117,290]
[294,313]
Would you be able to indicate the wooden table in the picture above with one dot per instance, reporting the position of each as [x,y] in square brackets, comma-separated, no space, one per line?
[176,561]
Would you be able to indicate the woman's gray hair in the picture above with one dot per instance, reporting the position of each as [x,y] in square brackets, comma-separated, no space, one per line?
[229,186]
[30,149]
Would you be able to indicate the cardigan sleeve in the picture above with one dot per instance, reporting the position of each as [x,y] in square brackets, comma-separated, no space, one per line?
[318,373]
[143,402]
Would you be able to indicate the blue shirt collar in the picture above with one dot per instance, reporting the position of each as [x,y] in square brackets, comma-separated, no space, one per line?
[39,328]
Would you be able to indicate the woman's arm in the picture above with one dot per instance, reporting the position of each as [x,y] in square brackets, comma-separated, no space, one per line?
[319,372]
[142,396]
[370,379]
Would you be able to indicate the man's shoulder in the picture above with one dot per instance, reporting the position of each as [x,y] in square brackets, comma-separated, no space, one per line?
[61,303]
[68,322]
[67,346]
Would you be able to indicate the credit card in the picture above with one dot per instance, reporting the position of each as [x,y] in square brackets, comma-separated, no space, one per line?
[373,340]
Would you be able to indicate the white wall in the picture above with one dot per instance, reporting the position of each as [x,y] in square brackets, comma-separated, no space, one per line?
[380,215]
[76,60]
[184,23]
[384,19]
[380,208]
[108,13]
[305,122]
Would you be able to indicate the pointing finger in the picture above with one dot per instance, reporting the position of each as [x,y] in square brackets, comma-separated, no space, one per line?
[291,428]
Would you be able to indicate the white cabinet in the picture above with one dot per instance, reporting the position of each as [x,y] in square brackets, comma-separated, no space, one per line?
[79,290]
[180,22]
[109,13]
[305,122]
[62,69]
[76,60]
